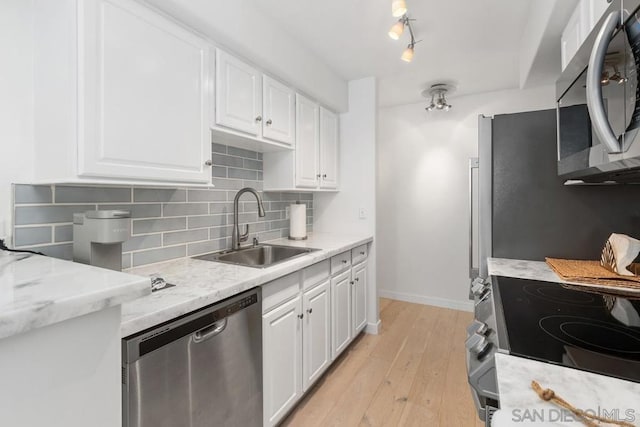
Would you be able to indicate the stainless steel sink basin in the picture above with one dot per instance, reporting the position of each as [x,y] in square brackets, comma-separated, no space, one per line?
[260,256]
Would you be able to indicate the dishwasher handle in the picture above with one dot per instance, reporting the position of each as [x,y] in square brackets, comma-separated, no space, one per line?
[210,331]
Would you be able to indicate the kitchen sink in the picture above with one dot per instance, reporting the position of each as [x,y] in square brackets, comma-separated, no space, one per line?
[260,256]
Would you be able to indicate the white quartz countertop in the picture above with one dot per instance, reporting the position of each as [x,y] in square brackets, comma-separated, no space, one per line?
[520,405]
[201,283]
[37,291]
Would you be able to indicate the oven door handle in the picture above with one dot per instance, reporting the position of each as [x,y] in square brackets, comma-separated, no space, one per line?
[595,103]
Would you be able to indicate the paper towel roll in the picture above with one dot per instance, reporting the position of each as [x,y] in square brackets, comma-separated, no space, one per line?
[298,221]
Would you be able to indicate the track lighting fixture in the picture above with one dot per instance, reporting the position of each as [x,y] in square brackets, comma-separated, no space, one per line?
[437,93]
[398,28]
[398,8]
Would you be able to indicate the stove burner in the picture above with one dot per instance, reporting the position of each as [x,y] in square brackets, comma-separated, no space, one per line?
[592,334]
[558,294]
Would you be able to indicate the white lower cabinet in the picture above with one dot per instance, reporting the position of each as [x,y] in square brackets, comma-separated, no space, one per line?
[282,359]
[296,331]
[341,312]
[316,339]
[359,297]
[308,318]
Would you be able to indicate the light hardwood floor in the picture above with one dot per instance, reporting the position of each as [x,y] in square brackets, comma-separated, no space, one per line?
[412,374]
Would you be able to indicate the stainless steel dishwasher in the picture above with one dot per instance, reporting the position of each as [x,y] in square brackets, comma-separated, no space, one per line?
[201,370]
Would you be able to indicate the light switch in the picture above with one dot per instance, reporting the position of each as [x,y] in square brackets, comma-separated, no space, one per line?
[362,214]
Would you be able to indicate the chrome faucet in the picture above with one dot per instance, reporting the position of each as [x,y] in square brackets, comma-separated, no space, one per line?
[236,237]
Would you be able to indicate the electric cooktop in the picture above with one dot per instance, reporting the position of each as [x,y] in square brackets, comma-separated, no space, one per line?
[583,330]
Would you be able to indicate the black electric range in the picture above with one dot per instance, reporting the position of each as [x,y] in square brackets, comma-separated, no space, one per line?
[547,322]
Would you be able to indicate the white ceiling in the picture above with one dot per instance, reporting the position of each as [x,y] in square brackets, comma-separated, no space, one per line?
[474,44]
[319,45]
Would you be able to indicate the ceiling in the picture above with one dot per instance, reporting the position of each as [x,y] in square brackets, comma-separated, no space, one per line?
[470,43]
[317,46]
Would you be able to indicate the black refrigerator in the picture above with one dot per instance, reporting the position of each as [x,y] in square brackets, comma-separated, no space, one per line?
[521,209]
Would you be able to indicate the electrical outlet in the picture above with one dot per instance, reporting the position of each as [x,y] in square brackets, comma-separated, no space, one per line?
[286,212]
[362,214]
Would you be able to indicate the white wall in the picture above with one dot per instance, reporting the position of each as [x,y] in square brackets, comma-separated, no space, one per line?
[16,101]
[339,212]
[422,193]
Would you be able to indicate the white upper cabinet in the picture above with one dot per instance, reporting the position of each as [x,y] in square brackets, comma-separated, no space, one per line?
[278,110]
[313,166]
[580,24]
[131,103]
[307,142]
[238,95]
[328,149]
[145,95]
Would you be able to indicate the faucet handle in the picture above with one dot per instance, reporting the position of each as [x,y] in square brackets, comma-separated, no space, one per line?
[244,236]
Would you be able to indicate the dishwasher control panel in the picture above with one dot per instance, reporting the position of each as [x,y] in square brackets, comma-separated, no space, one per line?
[238,305]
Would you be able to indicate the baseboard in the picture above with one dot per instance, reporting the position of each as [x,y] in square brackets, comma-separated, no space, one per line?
[373,328]
[421,299]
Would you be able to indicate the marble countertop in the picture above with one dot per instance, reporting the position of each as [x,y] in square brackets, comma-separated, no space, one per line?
[534,270]
[520,405]
[200,283]
[37,291]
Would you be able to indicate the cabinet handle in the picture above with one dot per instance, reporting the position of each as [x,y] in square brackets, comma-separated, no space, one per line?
[357,279]
[324,176]
[259,119]
[362,253]
[269,122]
[310,311]
[352,282]
[318,176]
[344,261]
[208,163]
[300,316]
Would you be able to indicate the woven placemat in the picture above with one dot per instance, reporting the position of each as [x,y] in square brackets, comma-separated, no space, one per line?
[593,274]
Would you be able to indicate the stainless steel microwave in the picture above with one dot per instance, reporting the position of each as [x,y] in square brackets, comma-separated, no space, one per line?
[598,101]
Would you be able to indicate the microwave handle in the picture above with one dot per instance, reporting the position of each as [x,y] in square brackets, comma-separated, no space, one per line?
[595,102]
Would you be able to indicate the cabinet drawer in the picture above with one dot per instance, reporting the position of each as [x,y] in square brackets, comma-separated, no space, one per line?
[315,274]
[358,254]
[340,262]
[280,290]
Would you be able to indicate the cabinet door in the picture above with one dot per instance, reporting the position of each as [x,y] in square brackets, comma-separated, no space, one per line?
[278,110]
[328,149]
[340,312]
[307,140]
[282,359]
[238,95]
[317,333]
[143,86]
[597,8]
[359,297]
[571,38]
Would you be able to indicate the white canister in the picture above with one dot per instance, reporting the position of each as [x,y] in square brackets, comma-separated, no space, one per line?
[298,221]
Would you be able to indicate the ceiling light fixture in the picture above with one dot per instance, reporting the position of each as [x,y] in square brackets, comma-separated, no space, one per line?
[398,8]
[437,93]
[398,28]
